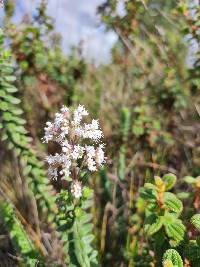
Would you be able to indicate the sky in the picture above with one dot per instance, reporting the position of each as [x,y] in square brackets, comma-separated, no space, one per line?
[76,20]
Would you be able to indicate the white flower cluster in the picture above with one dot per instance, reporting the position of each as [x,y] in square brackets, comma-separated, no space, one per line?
[74,135]
[76,189]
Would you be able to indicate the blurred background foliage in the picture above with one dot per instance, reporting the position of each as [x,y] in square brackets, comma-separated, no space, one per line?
[148,102]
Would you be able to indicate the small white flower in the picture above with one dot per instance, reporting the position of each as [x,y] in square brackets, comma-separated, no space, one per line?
[49,132]
[76,189]
[77,152]
[65,110]
[92,131]
[50,159]
[70,131]
[58,120]
[91,164]
[66,147]
[90,154]
[79,113]
[66,171]
[65,130]
[100,158]
[53,173]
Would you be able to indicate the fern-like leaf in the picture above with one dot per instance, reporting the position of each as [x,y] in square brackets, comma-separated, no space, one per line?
[19,238]
[15,135]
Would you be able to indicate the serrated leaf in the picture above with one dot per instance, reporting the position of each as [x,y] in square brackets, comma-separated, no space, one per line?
[168,263]
[171,255]
[175,231]
[195,220]
[172,203]
[148,194]
[150,186]
[152,224]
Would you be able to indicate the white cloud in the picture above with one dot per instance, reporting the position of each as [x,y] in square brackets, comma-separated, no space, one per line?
[77,21]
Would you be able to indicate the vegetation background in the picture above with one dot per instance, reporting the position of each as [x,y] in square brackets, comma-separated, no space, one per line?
[148,102]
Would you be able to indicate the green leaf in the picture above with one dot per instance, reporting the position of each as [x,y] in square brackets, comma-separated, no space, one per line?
[195,220]
[198,241]
[169,180]
[12,99]
[168,263]
[3,105]
[88,238]
[172,203]
[18,236]
[27,170]
[183,195]
[175,230]
[11,89]
[10,78]
[189,179]
[7,116]
[153,224]
[171,255]
[122,163]
[150,186]
[148,194]
[192,252]
[125,122]
[137,130]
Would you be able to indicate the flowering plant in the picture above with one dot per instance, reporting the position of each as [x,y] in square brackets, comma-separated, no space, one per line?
[81,150]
